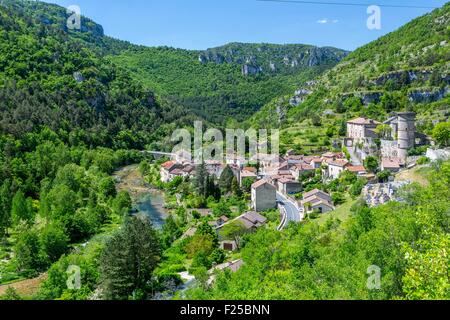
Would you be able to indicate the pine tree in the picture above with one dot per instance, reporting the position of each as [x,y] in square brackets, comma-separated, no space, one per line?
[201,180]
[235,187]
[129,258]
[226,180]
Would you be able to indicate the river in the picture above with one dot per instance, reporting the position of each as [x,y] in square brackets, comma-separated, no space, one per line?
[146,200]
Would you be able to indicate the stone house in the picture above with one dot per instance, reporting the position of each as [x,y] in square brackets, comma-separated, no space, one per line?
[289,186]
[317,200]
[361,128]
[336,167]
[264,196]
[391,164]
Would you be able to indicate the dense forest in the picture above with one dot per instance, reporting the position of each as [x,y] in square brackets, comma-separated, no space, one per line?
[227,83]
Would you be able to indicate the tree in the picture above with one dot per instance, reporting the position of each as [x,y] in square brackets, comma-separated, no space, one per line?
[129,258]
[5,207]
[200,244]
[338,198]
[226,180]
[234,231]
[122,203]
[170,232]
[371,164]
[206,230]
[27,251]
[384,131]
[441,134]
[21,210]
[235,189]
[53,242]
[201,180]
[11,295]
[247,184]
[426,276]
[316,121]
[383,176]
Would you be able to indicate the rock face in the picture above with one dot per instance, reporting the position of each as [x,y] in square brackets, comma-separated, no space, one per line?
[423,96]
[272,59]
[251,70]
[299,97]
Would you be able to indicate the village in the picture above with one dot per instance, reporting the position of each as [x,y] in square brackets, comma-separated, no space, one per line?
[372,154]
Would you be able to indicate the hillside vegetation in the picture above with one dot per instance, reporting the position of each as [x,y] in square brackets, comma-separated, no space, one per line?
[407,69]
[233,81]
[407,242]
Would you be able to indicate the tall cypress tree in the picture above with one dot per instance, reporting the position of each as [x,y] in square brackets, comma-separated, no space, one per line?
[201,180]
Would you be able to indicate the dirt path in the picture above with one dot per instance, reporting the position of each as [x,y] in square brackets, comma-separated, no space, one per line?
[26,288]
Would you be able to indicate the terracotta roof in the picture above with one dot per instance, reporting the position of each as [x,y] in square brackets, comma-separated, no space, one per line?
[391,163]
[304,167]
[356,169]
[250,169]
[260,183]
[339,163]
[364,121]
[328,155]
[168,164]
[248,174]
[176,172]
[286,181]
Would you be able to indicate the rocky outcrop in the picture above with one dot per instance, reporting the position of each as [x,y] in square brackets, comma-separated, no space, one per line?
[427,96]
[248,69]
[273,59]
[299,97]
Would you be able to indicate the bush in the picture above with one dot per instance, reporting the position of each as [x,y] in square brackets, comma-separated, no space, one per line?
[423,160]
[338,198]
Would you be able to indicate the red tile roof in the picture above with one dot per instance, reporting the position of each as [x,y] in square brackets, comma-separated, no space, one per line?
[356,169]
[339,163]
[168,164]
[260,183]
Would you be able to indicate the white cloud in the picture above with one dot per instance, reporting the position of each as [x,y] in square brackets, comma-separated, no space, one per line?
[326,20]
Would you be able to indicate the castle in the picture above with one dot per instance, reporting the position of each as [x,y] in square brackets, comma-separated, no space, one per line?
[397,136]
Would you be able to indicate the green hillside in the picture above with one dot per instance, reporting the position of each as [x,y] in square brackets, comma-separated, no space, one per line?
[405,70]
[233,81]
[60,79]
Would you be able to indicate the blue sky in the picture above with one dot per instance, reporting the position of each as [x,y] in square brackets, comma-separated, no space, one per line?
[201,24]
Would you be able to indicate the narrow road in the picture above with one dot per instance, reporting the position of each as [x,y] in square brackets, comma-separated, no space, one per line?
[292,213]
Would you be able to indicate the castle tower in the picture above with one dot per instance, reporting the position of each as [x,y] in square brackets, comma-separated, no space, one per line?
[406,133]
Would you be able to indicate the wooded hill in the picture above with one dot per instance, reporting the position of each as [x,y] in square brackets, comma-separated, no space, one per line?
[405,70]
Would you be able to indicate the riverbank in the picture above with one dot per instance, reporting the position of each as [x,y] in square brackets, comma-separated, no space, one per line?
[146,199]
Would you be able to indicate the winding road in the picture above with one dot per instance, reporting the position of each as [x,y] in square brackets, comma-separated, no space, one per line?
[293,214]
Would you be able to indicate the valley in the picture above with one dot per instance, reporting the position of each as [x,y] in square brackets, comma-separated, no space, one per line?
[361,178]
